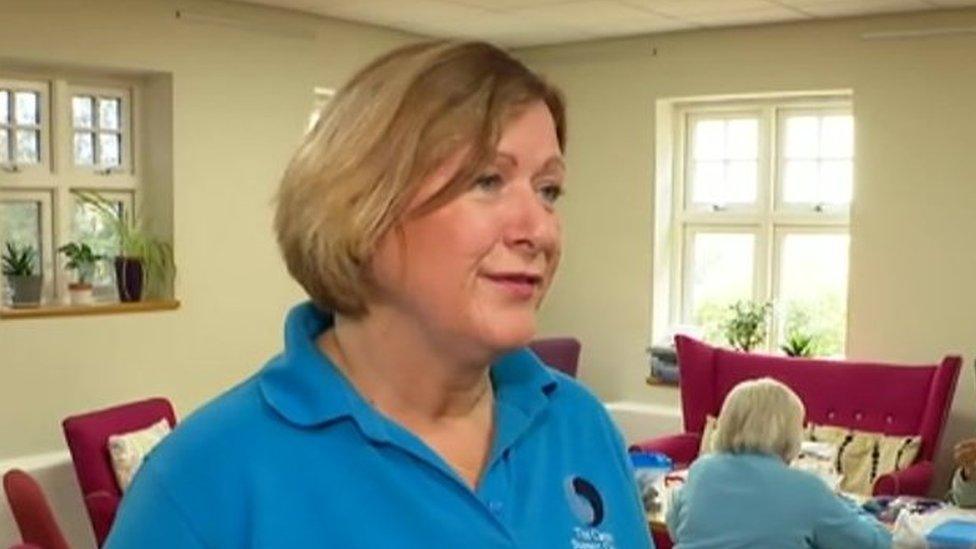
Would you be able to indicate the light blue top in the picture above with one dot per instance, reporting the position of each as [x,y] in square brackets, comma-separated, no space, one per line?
[755,501]
[295,458]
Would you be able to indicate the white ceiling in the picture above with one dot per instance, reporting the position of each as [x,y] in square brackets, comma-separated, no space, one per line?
[517,23]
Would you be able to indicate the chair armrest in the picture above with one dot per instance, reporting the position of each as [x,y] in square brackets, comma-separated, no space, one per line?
[911,481]
[102,506]
[682,449]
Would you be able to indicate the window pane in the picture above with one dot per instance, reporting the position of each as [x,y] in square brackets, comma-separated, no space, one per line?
[837,137]
[25,110]
[800,181]
[20,223]
[724,163]
[836,181]
[108,114]
[707,182]
[740,182]
[81,108]
[742,138]
[813,289]
[802,137]
[709,139]
[27,147]
[108,149]
[84,148]
[721,273]
[4,146]
[4,107]
[89,227]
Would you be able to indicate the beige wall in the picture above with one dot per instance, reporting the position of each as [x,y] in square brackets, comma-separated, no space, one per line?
[912,291]
[242,90]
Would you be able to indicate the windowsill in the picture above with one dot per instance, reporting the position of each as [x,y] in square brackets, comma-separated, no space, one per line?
[655,382]
[47,311]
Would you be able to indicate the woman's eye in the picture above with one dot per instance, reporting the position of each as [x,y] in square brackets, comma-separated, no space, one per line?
[551,192]
[488,182]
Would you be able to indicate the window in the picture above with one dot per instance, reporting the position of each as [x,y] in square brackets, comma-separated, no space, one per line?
[99,120]
[26,220]
[89,130]
[760,198]
[23,126]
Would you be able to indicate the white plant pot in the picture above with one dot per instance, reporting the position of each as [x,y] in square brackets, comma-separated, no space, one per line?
[81,295]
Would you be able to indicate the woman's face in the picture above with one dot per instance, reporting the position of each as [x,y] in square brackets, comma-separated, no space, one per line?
[472,273]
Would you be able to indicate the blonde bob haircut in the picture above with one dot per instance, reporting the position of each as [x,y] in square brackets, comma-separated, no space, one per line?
[392,125]
[760,416]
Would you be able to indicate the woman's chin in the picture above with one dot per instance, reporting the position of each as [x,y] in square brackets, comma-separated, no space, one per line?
[511,333]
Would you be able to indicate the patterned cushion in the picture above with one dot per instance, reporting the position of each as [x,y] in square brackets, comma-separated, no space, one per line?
[863,456]
[129,449]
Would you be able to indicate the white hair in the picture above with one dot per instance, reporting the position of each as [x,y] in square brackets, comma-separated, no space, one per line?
[760,416]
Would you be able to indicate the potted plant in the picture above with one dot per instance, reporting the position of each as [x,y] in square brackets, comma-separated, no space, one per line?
[799,344]
[19,268]
[82,260]
[144,261]
[747,324]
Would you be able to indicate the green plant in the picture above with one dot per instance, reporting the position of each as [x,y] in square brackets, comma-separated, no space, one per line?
[19,260]
[747,324]
[82,259]
[135,241]
[799,344]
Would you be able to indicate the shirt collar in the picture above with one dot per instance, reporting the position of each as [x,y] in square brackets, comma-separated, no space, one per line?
[307,389]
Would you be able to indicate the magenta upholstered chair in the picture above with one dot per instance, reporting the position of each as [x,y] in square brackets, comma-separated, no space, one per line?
[892,399]
[34,517]
[87,437]
[561,353]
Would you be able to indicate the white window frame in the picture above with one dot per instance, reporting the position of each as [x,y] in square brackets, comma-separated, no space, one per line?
[827,108]
[679,219]
[762,162]
[24,172]
[49,263]
[124,96]
[59,178]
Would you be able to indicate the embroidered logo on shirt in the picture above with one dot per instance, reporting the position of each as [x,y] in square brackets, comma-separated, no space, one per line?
[586,503]
[584,500]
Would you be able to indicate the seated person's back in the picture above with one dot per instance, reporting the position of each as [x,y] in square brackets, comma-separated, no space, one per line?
[745,496]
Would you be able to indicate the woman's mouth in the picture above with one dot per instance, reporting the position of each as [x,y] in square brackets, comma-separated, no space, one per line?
[520,285]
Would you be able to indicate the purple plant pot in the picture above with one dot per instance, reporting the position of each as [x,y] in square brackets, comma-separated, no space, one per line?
[128,278]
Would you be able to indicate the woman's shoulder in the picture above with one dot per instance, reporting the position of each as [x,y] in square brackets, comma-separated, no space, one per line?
[223,427]
[570,397]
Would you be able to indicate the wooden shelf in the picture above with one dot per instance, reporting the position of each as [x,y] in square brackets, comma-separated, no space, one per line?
[48,311]
[655,382]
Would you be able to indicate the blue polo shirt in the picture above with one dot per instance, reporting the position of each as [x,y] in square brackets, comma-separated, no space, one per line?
[294,457]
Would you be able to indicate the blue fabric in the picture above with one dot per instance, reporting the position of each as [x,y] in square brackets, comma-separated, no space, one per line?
[294,457]
[953,534]
[755,501]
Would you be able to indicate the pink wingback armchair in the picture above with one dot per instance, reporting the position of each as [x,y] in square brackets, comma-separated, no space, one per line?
[895,400]
[87,437]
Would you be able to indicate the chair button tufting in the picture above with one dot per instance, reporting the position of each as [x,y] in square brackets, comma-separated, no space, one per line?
[858,416]
[889,419]
[831,414]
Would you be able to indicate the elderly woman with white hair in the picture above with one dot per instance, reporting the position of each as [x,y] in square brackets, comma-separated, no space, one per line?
[744,494]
